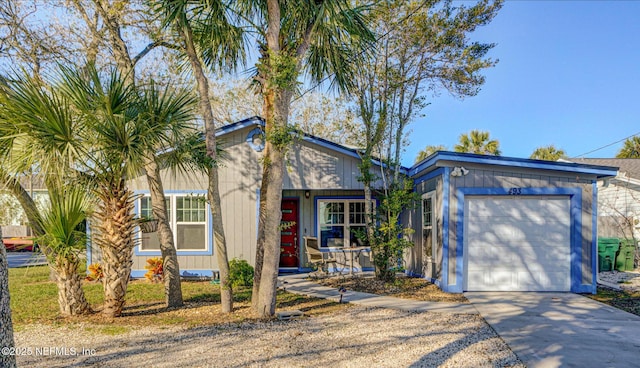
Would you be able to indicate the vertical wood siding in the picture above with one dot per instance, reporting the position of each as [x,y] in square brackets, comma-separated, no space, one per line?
[309,167]
[480,176]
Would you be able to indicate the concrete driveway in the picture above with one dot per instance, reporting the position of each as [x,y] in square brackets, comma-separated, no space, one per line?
[561,329]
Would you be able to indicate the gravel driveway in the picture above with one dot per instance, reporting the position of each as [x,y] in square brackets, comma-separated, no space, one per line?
[354,337]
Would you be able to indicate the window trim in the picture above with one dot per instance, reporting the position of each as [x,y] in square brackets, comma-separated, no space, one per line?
[172,195]
[346,200]
[433,227]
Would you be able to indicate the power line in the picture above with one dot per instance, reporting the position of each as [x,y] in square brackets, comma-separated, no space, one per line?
[608,145]
[411,14]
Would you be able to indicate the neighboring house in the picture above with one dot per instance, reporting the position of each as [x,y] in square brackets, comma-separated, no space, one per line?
[496,223]
[618,198]
[13,219]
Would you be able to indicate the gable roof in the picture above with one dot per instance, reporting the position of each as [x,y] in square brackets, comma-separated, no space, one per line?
[578,168]
[606,168]
[259,122]
[628,166]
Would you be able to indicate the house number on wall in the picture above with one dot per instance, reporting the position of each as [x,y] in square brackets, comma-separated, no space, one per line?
[515,191]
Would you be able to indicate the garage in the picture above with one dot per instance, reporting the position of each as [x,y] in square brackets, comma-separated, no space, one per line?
[517,243]
[506,224]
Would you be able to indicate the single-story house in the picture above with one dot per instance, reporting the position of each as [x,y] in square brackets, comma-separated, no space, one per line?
[618,198]
[483,222]
[489,223]
[322,198]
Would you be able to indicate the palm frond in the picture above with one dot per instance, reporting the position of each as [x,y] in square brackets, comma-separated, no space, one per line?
[341,36]
[63,221]
[42,129]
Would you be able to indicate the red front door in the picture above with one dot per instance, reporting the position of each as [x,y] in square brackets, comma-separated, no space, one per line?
[289,234]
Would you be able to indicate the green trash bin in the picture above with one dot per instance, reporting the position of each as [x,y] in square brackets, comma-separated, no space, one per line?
[625,258]
[607,249]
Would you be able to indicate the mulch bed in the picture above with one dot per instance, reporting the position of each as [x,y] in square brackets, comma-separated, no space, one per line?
[403,287]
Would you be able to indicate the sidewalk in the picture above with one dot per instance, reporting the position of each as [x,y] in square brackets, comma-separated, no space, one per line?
[298,284]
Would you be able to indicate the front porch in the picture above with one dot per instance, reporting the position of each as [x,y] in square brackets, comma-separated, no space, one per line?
[333,219]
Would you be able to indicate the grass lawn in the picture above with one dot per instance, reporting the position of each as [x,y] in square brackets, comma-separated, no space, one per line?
[34,300]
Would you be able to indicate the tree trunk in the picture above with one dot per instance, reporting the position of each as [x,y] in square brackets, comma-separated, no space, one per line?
[70,294]
[25,200]
[118,45]
[277,112]
[213,191]
[257,270]
[267,107]
[6,325]
[170,266]
[226,293]
[116,230]
[266,304]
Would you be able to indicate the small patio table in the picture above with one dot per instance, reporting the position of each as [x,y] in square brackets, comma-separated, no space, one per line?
[353,250]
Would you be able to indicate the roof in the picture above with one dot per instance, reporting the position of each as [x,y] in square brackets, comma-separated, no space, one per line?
[258,121]
[628,166]
[599,169]
[244,123]
[429,163]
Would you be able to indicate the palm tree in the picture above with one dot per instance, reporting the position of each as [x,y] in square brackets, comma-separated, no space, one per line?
[312,38]
[128,129]
[126,65]
[548,153]
[106,109]
[478,142]
[428,151]
[227,41]
[169,117]
[65,240]
[89,127]
[630,149]
[39,133]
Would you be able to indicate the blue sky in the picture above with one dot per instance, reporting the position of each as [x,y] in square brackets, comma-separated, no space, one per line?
[569,75]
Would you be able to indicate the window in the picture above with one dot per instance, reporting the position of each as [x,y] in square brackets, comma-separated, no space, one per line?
[427,212]
[340,222]
[191,223]
[149,241]
[428,230]
[188,221]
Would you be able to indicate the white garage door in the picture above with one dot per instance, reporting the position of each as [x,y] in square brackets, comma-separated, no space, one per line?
[517,244]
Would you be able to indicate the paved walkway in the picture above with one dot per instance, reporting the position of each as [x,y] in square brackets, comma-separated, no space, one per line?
[561,329]
[298,284]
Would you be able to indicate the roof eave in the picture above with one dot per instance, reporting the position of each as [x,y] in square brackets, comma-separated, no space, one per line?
[601,172]
[258,121]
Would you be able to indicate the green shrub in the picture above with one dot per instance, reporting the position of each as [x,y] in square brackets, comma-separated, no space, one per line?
[240,273]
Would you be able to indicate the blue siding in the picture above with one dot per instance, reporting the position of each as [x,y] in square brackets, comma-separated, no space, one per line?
[445,226]
[138,274]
